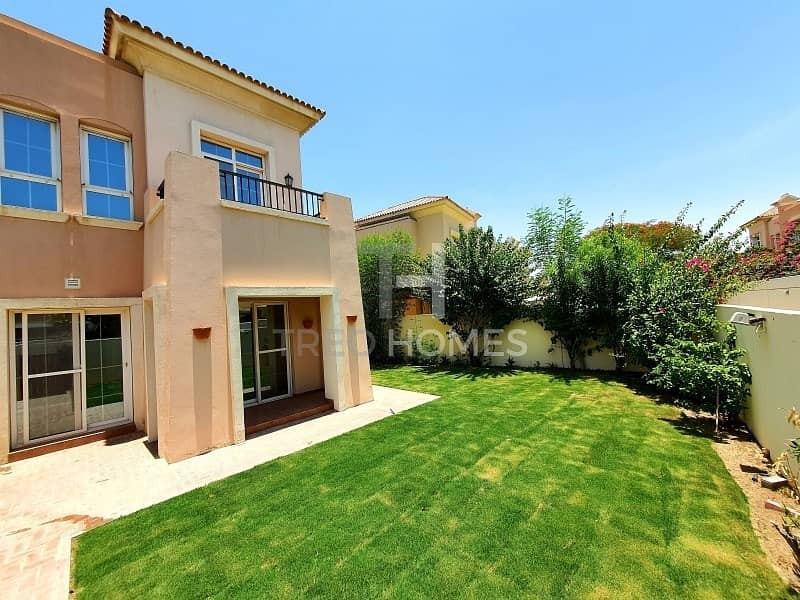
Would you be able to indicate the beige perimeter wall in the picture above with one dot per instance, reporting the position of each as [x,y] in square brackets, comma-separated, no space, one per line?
[527,342]
[773,354]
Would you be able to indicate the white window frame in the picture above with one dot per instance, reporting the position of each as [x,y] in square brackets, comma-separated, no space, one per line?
[259,391]
[228,138]
[80,398]
[55,156]
[237,166]
[87,187]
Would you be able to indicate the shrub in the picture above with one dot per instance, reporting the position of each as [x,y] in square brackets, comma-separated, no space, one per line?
[487,284]
[707,374]
[396,254]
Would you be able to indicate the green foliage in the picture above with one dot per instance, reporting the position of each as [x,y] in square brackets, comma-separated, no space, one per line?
[608,261]
[396,251]
[673,328]
[554,238]
[487,283]
[655,235]
[702,372]
[649,299]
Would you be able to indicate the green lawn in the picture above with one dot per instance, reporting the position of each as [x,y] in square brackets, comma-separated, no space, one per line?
[531,483]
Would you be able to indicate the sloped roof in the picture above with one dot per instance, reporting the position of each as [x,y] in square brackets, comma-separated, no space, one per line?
[111,16]
[403,207]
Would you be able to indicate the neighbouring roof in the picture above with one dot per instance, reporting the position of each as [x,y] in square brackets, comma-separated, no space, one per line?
[112,17]
[403,207]
[774,210]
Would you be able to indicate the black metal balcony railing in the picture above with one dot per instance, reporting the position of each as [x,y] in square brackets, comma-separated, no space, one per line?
[247,189]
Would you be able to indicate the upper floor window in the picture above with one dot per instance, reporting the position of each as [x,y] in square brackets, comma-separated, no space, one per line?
[249,166]
[29,161]
[107,180]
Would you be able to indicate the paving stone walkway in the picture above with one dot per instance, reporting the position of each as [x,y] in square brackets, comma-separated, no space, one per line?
[45,501]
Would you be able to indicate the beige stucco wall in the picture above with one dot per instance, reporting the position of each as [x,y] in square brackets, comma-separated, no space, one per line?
[56,78]
[343,260]
[781,293]
[772,352]
[305,345]
[170,109]
[210,249]
[430,230]
[260,249]
[196,414]
[527,342]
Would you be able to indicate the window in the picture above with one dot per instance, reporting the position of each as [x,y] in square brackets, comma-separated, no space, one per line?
[107,181]
[250,167]
[28,161]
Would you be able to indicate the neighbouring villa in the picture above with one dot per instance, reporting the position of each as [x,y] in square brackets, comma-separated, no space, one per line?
[765,229]
[429,220]
[165,269]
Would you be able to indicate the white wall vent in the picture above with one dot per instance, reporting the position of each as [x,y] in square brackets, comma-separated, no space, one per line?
[72,283]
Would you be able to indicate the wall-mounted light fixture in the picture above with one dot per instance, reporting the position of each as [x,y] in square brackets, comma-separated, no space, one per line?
[288,179]
[743,318]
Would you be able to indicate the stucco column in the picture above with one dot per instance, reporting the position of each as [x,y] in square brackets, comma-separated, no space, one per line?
[195,329]
[344,277]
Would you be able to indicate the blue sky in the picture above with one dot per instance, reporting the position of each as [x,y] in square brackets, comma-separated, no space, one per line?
[505,106]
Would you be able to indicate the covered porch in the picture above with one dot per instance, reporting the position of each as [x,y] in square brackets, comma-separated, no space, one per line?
[277,413]
[284,363]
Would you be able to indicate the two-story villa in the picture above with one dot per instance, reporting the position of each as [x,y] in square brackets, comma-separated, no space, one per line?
[165,269]
[766,229]
[429,220]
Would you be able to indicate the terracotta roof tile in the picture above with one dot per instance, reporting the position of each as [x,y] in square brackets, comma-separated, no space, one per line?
[408,205]
[111,14]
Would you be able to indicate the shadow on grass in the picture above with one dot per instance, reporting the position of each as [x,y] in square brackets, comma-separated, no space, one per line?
[702,425]
[691,420]
[565,376]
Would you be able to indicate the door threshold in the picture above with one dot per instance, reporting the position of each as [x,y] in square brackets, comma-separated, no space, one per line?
[71,442]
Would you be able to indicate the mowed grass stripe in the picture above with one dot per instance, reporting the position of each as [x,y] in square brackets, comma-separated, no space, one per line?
[516,483]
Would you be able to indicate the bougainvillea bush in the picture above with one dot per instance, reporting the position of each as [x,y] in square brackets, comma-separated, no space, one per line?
[673,328]
[781,261]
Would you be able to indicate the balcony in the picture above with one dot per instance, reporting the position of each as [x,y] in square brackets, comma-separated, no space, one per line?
[246,189]
[252,191]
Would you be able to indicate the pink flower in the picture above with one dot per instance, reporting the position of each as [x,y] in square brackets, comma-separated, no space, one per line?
[698,263]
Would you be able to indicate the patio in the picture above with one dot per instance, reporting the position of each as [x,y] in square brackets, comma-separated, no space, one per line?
[48,499]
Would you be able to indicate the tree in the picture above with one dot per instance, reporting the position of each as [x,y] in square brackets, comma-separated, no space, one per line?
[554,238]
[382,258]
[607,261]
[487,283]
[673,328]
[656,235]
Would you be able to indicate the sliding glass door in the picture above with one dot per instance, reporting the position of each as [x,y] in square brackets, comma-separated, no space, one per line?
[52,371]
[263,334]
[70,373]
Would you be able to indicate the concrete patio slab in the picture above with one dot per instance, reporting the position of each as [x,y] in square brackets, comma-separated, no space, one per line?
[45,501]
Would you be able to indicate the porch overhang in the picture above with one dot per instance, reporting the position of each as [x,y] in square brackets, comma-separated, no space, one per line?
[332,340]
